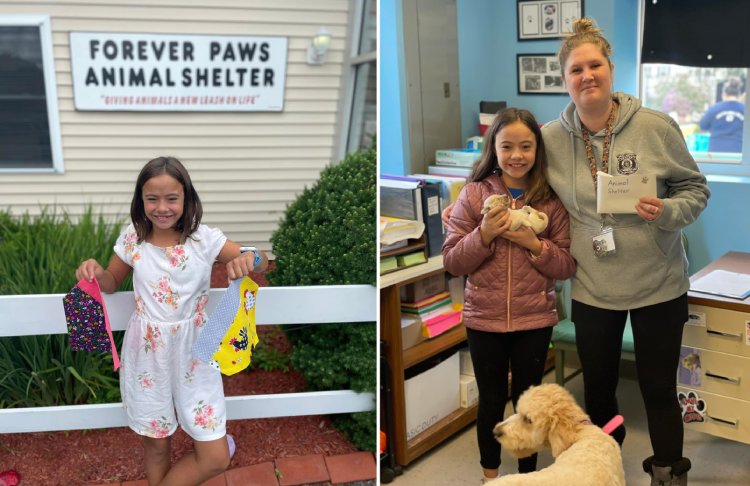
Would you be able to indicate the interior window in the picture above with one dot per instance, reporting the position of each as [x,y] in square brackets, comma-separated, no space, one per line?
[707,103]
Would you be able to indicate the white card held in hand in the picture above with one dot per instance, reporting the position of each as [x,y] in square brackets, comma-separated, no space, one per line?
[620,193]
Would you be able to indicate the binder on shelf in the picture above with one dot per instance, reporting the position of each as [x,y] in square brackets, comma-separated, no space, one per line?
[433,224]
[451,186]
[401,199]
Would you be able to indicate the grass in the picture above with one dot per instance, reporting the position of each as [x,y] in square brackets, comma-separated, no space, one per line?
[39,254]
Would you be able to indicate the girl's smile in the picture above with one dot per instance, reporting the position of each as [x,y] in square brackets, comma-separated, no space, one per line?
[163,201]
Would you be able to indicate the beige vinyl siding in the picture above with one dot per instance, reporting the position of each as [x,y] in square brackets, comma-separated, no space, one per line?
[246,166]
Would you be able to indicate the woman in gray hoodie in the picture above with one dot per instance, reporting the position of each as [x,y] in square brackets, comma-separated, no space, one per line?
[627,262]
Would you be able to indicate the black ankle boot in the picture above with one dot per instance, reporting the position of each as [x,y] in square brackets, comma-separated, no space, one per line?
[674,474]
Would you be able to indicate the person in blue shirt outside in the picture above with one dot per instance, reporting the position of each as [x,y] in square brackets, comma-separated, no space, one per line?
[724,120]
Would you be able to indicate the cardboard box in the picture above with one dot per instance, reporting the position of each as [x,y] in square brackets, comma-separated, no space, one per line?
[457,157]
[456,287]
[469,391]
[467,367]
[423,288]
[411,331]
[431,396]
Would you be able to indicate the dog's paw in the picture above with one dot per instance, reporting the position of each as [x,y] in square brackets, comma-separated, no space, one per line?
[494,201]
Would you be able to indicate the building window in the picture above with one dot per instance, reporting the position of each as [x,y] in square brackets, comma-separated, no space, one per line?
[360,116]
[29,123]
[709,106]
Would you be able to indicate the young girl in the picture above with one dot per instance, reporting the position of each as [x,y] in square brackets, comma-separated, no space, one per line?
[510,293]
[171,255]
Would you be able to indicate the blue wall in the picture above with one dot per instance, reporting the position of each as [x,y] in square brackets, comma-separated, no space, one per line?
[393,132]
[488,44]
[724,225]
[487,38]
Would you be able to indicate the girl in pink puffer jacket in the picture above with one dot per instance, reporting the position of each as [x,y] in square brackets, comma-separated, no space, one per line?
[509,298]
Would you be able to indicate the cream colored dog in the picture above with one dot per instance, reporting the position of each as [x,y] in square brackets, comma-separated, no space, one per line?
[526,216]
[547,415]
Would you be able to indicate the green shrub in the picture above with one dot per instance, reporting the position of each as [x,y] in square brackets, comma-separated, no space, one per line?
[39,255]
[328,237]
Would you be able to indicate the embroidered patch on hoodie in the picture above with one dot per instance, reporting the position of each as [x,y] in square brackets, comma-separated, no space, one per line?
[627,163]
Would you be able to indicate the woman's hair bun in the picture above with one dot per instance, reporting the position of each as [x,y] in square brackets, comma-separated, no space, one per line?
[585,26]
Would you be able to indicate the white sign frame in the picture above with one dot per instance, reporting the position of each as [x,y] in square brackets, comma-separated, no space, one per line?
[539,74]
[547,19]
[177,72]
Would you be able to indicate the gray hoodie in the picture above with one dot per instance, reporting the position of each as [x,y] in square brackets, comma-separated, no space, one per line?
[650,265]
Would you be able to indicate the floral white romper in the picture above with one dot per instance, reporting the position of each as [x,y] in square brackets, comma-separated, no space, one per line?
[159,374]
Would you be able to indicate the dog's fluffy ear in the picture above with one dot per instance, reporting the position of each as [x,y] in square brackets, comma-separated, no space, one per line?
[565,422]
[561,436]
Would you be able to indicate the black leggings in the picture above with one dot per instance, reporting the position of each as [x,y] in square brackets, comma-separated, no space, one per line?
[491,353]
[657,334]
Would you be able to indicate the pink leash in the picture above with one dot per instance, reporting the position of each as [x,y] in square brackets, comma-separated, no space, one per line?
[610,426]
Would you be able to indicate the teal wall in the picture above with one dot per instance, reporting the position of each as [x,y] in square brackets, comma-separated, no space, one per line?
[487,37]
[393,132]
[724,225]
[488,44]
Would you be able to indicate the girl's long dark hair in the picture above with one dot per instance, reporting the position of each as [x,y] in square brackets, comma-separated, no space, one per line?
[538,188]
[192,210]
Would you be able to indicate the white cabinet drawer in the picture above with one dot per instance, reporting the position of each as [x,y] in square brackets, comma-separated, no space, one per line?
[723,416]
[720,330]
[720,373]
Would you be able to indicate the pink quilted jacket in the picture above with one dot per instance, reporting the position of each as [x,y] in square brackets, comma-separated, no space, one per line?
[506,288]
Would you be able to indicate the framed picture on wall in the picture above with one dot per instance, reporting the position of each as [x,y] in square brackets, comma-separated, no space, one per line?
[547,19]
[539,74]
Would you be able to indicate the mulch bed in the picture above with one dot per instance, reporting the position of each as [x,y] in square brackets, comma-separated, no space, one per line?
[115,455]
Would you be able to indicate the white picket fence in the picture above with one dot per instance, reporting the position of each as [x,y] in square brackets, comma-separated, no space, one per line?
[39,314]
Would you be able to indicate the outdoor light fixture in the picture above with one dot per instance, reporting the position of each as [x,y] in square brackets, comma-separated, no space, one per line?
[316,53]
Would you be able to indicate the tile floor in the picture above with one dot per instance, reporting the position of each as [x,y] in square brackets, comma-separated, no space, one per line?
[715,461]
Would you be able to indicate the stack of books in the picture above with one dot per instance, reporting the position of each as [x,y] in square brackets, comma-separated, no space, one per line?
[457,157]
[437,313]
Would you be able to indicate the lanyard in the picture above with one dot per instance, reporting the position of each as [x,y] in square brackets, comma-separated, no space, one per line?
[605,152]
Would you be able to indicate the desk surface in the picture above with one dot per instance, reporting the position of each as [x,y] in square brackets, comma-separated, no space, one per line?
[732,261]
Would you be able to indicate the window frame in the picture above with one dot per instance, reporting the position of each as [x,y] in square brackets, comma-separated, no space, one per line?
[50,89]
[353,61]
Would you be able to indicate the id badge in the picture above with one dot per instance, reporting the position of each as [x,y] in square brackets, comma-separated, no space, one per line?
[604,242]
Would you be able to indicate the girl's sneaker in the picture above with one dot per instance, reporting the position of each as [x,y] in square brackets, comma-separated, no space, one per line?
[232,447]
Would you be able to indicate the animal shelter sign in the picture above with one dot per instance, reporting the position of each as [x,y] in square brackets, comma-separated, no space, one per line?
[160,72]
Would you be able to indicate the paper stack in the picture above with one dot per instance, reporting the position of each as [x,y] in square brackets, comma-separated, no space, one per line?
[436,312]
